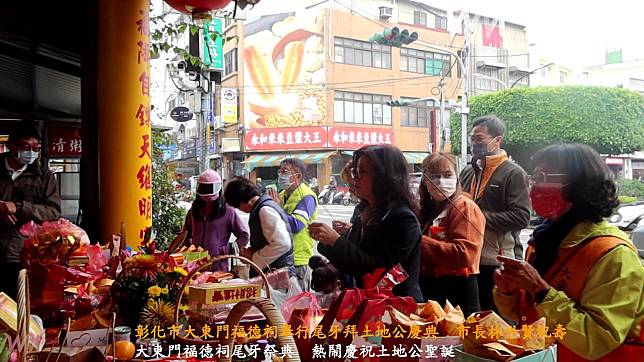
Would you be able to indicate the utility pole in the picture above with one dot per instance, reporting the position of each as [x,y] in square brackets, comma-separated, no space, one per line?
[444,127]
[465,109]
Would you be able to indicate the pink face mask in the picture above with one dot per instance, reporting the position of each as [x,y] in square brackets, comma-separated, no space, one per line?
[210,198]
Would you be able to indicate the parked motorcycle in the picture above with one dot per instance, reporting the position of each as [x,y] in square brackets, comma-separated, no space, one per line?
[338,195]
[326,195]
[349,199]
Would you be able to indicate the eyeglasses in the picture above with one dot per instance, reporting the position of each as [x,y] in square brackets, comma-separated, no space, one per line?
[28,148]
[542,177]
[357,172]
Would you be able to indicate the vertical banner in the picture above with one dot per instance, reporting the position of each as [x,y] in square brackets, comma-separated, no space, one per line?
[228,105]
[125,142]
[213,44]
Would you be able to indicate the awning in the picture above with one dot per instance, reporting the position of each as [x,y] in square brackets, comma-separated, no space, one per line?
[270,160]
[415,157]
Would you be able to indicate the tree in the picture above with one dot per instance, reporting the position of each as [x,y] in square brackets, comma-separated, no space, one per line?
[167,216]
[611,120]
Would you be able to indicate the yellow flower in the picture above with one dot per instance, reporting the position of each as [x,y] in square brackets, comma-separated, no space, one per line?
[154,291]
[164,291]
[158,313]
[181,271]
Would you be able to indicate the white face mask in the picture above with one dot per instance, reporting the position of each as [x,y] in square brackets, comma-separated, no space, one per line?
[446,188]
[27,157]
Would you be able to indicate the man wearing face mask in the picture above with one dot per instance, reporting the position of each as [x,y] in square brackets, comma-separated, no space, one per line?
[500,188]
[27,192]
[210,222]
[453,227]
[300,204]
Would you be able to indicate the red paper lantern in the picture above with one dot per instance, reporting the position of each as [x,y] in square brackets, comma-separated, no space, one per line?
[197,6]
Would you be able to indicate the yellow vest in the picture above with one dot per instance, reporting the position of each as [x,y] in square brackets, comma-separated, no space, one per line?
[302,241]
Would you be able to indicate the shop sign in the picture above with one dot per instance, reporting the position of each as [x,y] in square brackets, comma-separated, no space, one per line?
[64,142]
[181,114]
[296,138]
[229,105]
[306,138]
[356,137]
[213,50]
[614,161]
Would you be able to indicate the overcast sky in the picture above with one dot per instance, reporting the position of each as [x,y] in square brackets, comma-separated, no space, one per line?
[574,33]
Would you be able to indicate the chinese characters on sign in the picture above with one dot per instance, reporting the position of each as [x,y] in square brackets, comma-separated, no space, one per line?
[317,137]
[142,119]
[356,137]
[64,142]
[229,105]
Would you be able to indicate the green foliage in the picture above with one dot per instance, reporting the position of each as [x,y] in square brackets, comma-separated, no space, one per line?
[611,120]
[167,216]
[165,35]
[626,199]
[631,188]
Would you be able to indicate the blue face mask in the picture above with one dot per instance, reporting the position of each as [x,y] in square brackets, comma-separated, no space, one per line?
[284,181]
[27,157]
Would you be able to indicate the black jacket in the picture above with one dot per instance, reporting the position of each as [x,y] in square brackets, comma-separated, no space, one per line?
[393,238]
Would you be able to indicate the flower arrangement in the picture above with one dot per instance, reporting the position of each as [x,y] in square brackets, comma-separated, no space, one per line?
[146,290]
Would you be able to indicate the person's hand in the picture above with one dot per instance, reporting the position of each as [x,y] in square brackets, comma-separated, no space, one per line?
[323,233]
[272,193]
[8,207]
[247,253]
[341,227]
[518,274]
[8,219]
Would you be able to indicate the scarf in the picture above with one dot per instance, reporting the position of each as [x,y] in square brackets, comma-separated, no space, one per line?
[547,238]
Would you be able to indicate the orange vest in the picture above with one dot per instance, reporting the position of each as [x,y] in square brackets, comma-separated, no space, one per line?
[569,274]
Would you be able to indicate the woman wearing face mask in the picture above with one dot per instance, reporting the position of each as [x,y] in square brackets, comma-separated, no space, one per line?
[581,272]
[210,222]
[453,227]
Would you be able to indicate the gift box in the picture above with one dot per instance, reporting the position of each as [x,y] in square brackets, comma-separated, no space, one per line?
[220,293]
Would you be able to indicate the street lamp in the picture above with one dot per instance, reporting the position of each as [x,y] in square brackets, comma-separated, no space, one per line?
[530,72]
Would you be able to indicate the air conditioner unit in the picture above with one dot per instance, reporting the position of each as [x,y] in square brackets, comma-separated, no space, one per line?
[386,12]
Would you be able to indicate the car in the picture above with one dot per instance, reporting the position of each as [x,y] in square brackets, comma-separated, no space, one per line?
[630,218]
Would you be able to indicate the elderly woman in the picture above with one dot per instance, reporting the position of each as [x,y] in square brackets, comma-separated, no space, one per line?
[581,273]
[386,232]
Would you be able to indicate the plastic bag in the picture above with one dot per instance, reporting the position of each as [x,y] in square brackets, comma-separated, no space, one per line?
[53,242]
[302,312]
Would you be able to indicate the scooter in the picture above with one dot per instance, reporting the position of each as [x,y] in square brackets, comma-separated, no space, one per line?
[349,199]
[326,195]
[338,196]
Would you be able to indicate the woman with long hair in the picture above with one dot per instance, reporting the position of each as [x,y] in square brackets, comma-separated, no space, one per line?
[210,222]
[386,232]
[453,227]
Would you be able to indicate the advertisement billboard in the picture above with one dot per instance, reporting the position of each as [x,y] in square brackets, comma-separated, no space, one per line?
[228,105]
[283,59]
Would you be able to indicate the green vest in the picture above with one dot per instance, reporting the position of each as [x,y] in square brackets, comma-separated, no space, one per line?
[302,241]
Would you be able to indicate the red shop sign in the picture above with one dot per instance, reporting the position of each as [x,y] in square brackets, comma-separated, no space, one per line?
[298,138]
[64,142]
[356,137]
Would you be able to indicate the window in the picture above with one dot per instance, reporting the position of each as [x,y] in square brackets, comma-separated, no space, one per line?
[361,108]
[417,114]
[228,21]
[418,61]
[514,76]
[543,71]
[562,77]
[420,18]
[355,52]
[485,82]
[230,62]
[441,22]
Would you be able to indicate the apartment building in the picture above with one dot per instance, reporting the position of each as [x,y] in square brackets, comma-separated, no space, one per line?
[310,85]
